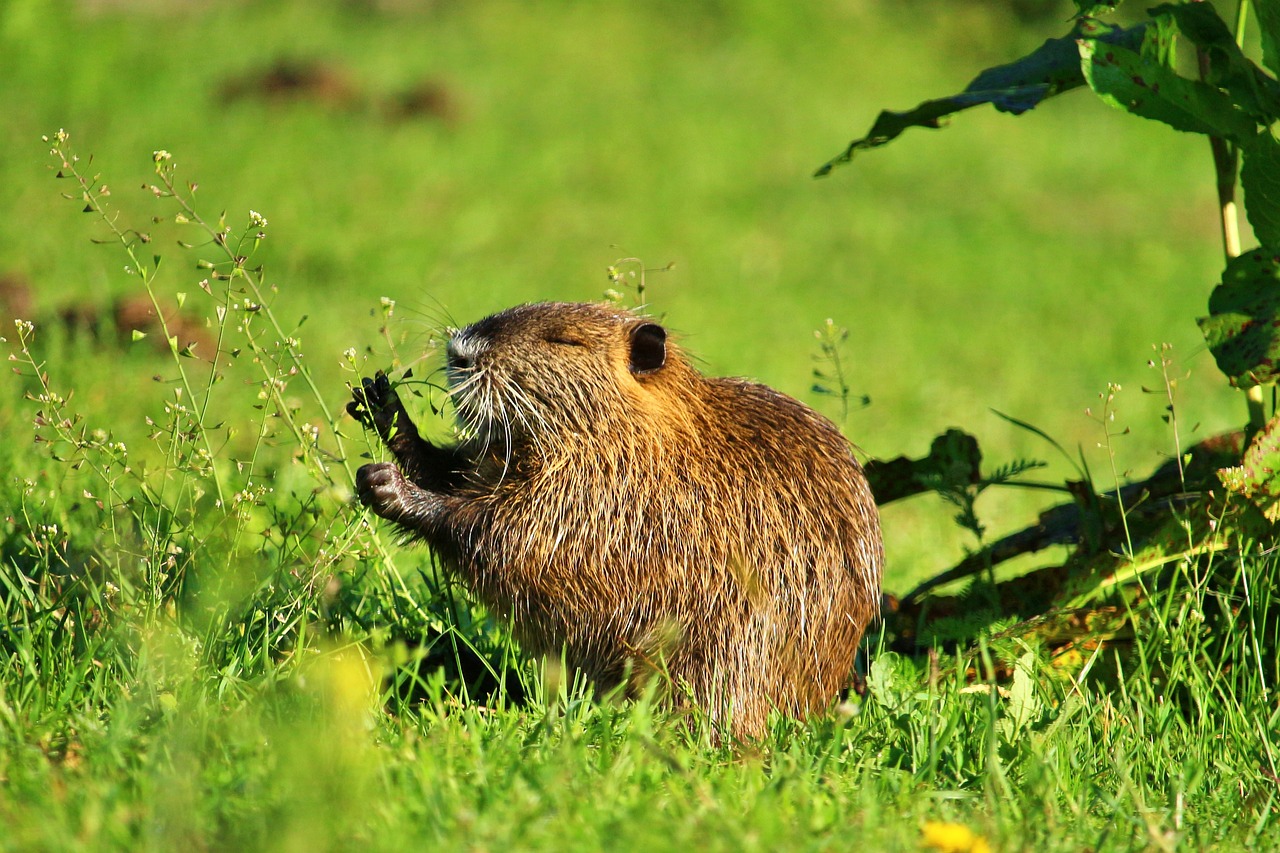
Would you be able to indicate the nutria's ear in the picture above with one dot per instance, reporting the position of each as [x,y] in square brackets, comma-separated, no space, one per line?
[648,348]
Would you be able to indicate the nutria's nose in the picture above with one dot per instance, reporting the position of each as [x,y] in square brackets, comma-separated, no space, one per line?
[461,352]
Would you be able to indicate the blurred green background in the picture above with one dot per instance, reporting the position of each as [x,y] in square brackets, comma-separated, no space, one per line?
[460,157]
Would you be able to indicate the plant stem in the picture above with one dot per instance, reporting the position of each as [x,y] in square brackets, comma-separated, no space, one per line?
[1253,398]
[1226,162]
[1257,412]
[1226,158]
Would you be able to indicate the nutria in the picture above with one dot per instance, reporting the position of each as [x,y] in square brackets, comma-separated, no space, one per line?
[612,502]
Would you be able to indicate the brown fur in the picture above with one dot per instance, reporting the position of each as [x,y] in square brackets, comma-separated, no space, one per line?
[609,499]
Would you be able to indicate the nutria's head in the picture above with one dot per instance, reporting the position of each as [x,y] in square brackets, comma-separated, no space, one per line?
[544,374]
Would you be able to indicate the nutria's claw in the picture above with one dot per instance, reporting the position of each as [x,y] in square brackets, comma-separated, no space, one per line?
[376,405]
[355,408]
[359,407]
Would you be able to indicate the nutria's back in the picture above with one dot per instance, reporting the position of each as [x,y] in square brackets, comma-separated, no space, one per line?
[609,499]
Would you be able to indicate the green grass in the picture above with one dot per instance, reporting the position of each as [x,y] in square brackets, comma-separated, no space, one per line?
[220,652]
[1015,264]
[314,755]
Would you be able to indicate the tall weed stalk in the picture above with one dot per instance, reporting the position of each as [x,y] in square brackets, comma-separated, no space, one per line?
[234,526]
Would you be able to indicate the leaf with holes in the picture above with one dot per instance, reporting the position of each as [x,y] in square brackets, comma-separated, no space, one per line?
[1243,326]
[1257,477]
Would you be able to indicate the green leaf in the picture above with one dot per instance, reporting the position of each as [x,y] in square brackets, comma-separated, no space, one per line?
[1200,23]
[1145,88]
[1024,704]
[1127,81]
[891,681]
[1257,477]
[1268,13]
[1260,178]
[1095,7]
[1051,69]
[1160,43]
[1228,68]
[1243,326]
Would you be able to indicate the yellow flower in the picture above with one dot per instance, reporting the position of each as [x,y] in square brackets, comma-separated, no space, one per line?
[952,838]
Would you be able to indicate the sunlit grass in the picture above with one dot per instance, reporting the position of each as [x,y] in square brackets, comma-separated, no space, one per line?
[274,673]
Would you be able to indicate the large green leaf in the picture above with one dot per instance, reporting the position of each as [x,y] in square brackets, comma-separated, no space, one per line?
[1260,178]
[1142,86]
[1243,326]
[1227,66]
[1257,477]
[1052,68]
[1268,12]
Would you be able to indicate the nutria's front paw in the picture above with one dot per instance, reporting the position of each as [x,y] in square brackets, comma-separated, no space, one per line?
[376,405]
[381,487]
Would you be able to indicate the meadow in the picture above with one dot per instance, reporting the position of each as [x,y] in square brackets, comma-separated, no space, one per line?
[208,645]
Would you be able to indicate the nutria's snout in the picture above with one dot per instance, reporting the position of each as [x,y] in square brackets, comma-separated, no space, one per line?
[459,353]
[462,355]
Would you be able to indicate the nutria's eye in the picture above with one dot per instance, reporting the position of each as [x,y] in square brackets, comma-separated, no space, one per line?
[565,342]
[648,348]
